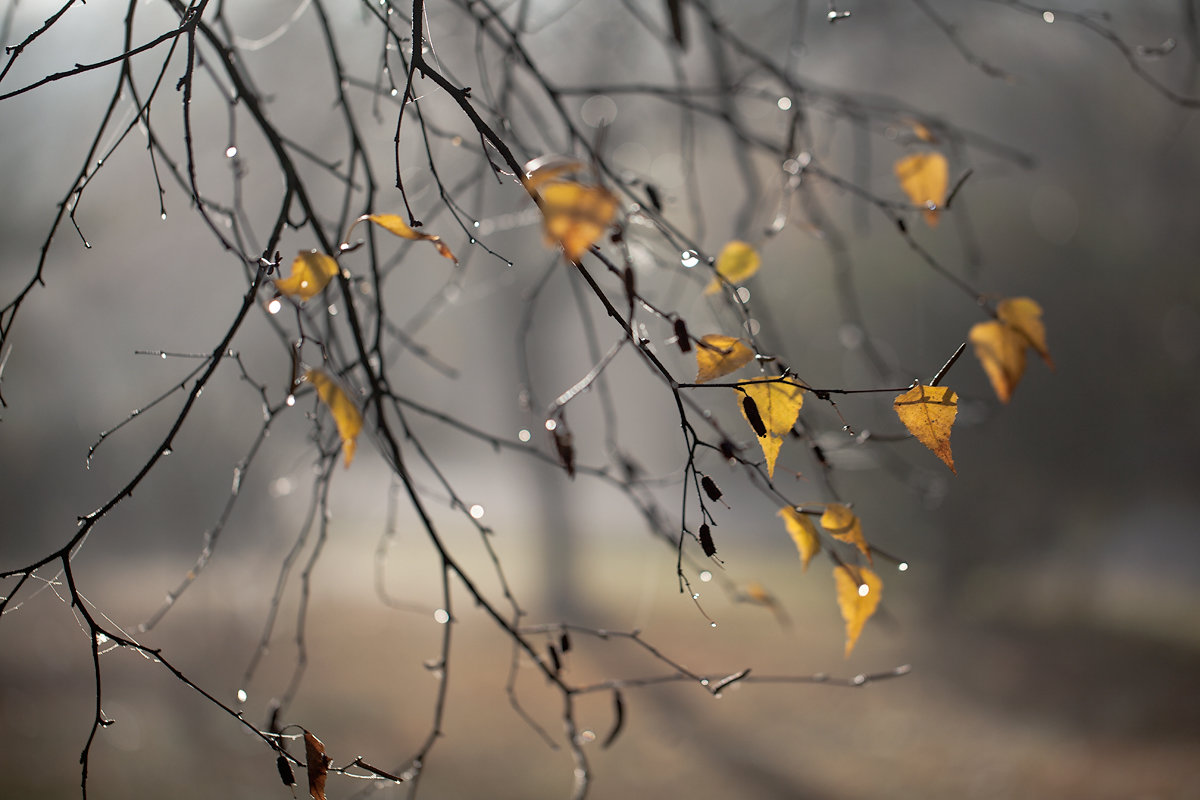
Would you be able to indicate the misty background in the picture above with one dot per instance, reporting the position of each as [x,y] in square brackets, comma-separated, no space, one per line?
[1050,611]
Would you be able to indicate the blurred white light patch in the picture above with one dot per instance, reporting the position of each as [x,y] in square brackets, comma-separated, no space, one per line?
[281,487]
[598,110]
[476,511]
[441,616]
[1055,214]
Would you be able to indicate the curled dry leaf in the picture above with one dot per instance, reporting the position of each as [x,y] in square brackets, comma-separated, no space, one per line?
[318,765]
[1000,344]
[345,413]
[925,178]
[736,263]
[777,404]
[719,355]
[858,593]
[575,214]
[706,541]
[311,273]
[843,524]
[803,532]
[395,225]
[928,412]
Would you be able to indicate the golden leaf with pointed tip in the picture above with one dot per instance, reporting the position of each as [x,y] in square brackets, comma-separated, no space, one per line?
[928,412]
[778,404]
[395,225]
[311,273]
[720,355]
[856,604]
[345,413]
[844,525]
[925,178]
[803,532]
[318,765]
[1000,344]
[736,263]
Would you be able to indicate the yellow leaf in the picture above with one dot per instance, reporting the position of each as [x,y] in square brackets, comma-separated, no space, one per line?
[311,273]
[858,592]
[1000,344]
[770,446]
[395,225]
[778,404]
[1025,315]
[925,178]
[928,412]
[803,533]
[736,263]
[345,413]
[576,215]
[720,355]
[843,525]
[546,168]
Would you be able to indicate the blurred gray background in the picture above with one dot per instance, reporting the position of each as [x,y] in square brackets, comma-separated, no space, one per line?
[1051,608]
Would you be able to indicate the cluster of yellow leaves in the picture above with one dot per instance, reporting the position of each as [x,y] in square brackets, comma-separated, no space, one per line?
[929,412]
[858,592]
[736,262]
[778,404]
[395,225]
[313,270]
[575,214]
[345,413]
[719,355]
[858,588]
[1000,344]
[925,178]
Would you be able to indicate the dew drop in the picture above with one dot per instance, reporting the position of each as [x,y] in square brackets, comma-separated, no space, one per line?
[333,310]
[476,511]
[784,103]
[1048,16]
[712,624]
[695,595]
[705,576]
[902,566]
[163,215]
[524,435]
[163,356]
[864,590]
[166,451]
[231,151]
[87,244]
[704,681]
[587,736]
[441,616]
[743,294]
[101,639]
[274,306]
[394,92]
[241,695]
[551,425]
[689,258]
[291,400]
[475,224]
